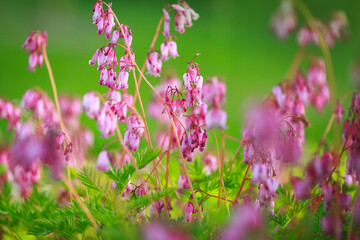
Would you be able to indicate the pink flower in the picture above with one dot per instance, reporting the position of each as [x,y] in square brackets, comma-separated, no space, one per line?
[103,161]
[173,49]
[106,122]
[115,36]
[157,208]
[134,132]
[301,187]
[193,95]
[317,73]
[179,22]
[30,99]
[216,118]
[186,147]
[189,210]
[260,172]
[338,22]
[59,139]
[166,31]
[153,64]
[183,183]
[246,219]
[91,104]
[267,192]
[284,19]
[68,151]
[338,111]
[306,36]
[123,79]
[164,51]
[98,11]
[109,24]
[210,163]
[34,43]
[11,113]
[183,16]
[355,104]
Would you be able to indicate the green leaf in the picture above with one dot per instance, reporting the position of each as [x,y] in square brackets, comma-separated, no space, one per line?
[88,177]
[145,156]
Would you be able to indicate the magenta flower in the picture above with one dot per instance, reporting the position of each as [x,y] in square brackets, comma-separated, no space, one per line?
[189,210]
[301,187]
[338,111]
[210,163]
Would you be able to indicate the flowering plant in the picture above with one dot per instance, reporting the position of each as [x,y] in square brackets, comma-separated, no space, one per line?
[169,182]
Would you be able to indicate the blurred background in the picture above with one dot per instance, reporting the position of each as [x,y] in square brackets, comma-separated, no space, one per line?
[233,38]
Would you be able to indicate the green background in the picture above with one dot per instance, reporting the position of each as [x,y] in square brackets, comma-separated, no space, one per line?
[232,36]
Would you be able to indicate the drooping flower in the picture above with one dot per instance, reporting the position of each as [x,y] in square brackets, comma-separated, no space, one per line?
[166,31]
[91,104]
[284,19]
[189,210]
[338,111]
[34,44]
[183,16]
[134,131]
[183,183]
[210,163]
[154,64]
[103,161]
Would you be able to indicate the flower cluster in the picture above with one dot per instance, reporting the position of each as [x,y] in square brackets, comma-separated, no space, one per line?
[331,31]
[113,110]
[183,17]
[214,96]
[275,130]
[284,19]
[105,56]
[351,136]
[11,113]
[34,44]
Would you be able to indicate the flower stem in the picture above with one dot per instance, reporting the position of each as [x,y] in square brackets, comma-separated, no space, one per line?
[150,49]
[247,170]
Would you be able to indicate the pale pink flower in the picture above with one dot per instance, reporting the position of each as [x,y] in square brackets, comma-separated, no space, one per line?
[91,104]
[259,173]
[305,36]
[246,219]
[216,118]
[337,23]
[210,163]
[106,122]
[166,31]
[103,161]
[183,183]
[284,19]
[153,64]
[173,49]
[164,51]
